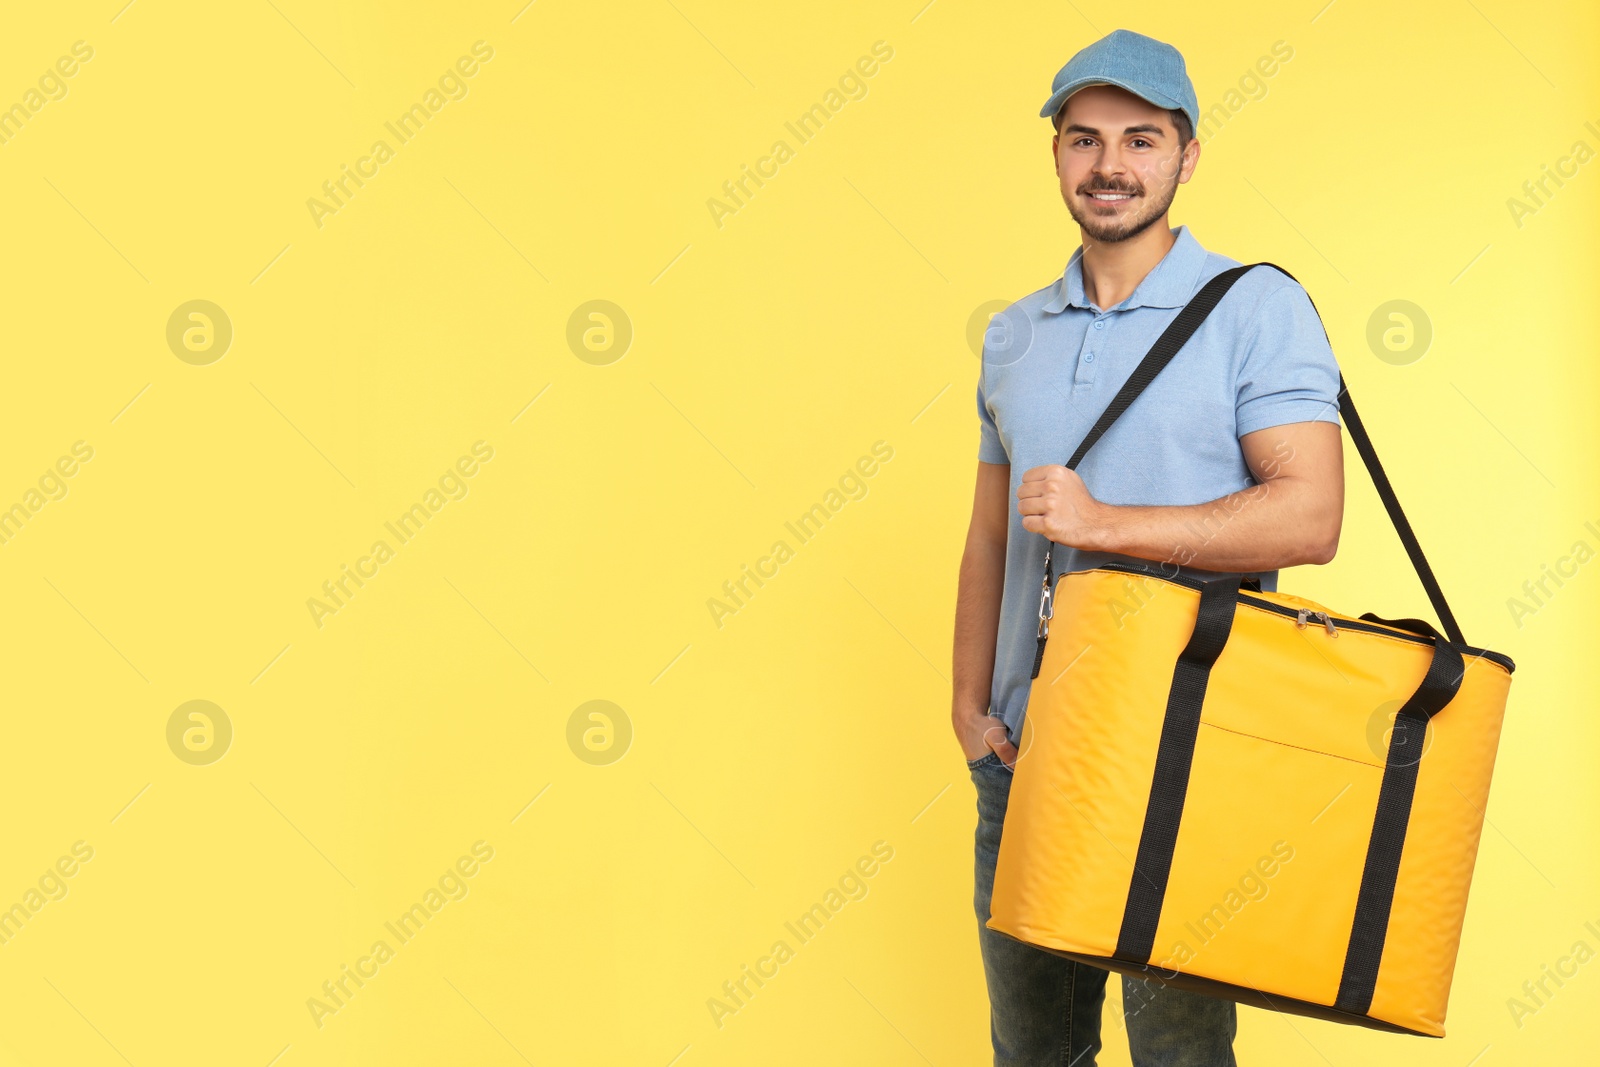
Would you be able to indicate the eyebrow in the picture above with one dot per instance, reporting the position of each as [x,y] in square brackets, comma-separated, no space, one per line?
[1142,128]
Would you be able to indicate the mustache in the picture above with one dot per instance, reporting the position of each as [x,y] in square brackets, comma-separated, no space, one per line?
[1086,190]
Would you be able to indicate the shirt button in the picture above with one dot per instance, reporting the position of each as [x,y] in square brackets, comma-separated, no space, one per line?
[1089,358]
[1100,325]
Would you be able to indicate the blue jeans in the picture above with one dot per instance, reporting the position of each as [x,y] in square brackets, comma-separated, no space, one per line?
[1045,1009]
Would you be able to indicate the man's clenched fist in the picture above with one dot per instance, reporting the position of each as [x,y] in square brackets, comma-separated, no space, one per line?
[1053,500]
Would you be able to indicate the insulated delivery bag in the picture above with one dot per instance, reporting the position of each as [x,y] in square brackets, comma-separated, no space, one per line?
[1248,794]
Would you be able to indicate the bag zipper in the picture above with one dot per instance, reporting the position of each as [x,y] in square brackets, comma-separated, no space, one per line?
[1327,620]
[1302,615]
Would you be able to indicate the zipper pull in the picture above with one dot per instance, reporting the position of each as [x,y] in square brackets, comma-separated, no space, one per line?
[1327,620]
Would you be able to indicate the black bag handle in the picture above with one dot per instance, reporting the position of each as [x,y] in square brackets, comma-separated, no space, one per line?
[1173,338]
[1416,626]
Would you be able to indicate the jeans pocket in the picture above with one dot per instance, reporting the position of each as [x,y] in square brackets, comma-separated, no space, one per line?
[983,761]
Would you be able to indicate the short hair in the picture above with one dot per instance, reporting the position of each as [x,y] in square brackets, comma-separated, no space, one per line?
[1178,117]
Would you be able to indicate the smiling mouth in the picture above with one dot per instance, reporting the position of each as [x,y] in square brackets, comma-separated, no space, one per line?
[1105,197]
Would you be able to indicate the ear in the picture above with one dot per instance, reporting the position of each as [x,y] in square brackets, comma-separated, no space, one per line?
[1191,158]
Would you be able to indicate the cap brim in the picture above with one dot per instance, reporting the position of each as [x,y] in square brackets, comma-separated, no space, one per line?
[1144,92]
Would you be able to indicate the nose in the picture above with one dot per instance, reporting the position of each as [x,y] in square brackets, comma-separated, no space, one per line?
[1110,162]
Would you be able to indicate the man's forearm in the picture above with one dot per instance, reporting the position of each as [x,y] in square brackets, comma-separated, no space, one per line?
[1281,523]
[983,568]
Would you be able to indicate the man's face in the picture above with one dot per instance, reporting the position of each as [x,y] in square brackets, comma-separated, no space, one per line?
[1125,149]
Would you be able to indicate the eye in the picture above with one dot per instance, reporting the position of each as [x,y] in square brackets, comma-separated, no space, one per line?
[1081,140]
[1141,140]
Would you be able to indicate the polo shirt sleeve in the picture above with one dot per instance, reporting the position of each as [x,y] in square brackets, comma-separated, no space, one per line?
[990,448]
[1288,373]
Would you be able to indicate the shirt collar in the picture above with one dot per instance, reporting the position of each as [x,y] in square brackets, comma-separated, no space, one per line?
[1170,284]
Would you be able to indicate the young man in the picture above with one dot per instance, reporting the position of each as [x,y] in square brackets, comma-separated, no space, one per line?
[1230,462]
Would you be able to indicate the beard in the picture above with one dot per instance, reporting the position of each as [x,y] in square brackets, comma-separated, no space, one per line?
[1131,218]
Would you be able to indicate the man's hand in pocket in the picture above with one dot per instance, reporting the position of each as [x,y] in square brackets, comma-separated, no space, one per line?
[981,734]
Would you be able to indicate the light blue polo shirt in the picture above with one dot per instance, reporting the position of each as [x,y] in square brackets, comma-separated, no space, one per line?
[1052,363]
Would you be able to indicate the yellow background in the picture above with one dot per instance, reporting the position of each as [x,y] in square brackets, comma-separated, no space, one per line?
[768,354]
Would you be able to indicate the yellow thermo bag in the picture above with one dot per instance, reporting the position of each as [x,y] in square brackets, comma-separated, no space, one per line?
[1245,793]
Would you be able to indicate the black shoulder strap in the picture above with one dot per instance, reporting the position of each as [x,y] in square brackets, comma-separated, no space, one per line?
[1174,337]
[1380,480]
[1161,353]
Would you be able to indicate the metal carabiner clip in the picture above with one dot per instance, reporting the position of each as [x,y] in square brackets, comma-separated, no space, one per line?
[1047,609]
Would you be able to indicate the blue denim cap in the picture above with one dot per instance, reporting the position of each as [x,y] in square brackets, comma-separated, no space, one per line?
[1144,66]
